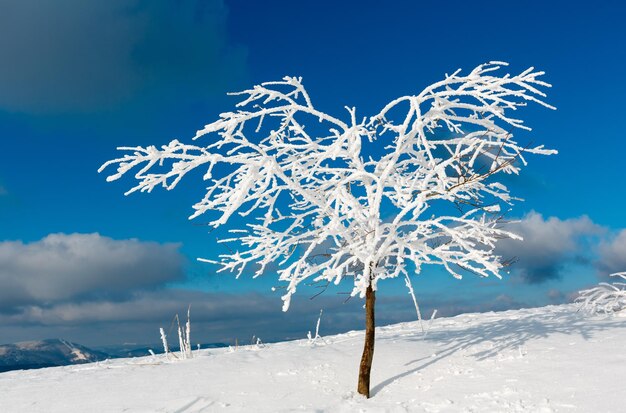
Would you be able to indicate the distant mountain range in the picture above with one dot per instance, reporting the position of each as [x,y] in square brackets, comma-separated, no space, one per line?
[45,353]
[58,352]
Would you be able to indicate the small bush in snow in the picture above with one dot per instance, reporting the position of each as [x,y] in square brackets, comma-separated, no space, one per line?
[606,298]
[313,339]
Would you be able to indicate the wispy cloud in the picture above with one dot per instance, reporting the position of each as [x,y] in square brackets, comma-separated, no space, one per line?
[98,290]
[221,317]
[72,55]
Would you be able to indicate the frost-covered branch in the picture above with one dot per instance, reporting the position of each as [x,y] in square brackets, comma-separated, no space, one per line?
[606,298]
[329,198]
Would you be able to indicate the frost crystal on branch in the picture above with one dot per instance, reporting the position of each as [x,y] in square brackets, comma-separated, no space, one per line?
[363,198]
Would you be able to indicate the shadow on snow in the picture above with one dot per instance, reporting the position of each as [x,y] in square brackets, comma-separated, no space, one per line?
[501,334]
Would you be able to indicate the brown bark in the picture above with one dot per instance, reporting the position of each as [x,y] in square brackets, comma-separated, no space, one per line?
[368,349]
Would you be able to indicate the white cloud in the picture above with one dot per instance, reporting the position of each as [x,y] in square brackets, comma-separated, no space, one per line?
[612,255]
[63,267]
[548,245]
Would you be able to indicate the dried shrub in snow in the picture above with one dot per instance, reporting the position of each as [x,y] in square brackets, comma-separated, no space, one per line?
[184,338]
[606,298]
[363,199]
[314,339]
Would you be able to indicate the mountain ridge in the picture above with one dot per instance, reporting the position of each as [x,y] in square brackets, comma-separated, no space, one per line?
[25,355]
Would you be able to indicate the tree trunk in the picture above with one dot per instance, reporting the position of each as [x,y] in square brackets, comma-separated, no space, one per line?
[368,349]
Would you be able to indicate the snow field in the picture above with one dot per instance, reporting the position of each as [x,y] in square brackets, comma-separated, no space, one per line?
[550,359]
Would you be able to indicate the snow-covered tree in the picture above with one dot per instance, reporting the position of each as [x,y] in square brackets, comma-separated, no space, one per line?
[330,198]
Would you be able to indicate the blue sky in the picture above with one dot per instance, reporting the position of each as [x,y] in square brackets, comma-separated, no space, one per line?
[79,79]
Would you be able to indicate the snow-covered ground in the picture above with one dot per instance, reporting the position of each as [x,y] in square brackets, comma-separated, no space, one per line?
[549,359]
